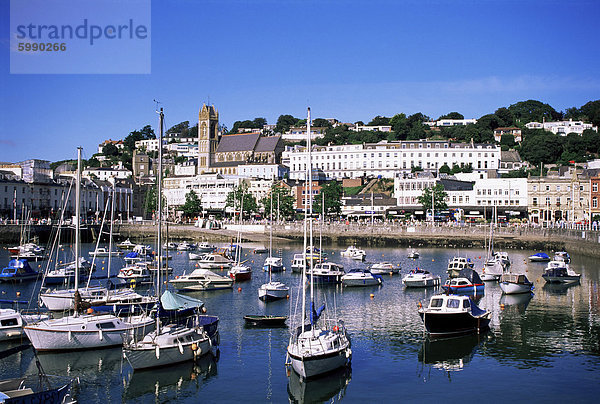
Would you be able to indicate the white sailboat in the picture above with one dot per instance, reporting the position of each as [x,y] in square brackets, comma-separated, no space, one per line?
[238,271]
[272,290]
[314,348]
[83,331]
[173,343]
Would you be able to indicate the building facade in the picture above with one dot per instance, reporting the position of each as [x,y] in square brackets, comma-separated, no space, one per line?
[208,137]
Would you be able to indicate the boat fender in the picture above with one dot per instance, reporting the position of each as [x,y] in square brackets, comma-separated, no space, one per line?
[100,335]
[180,347]
[70,335]
[420,305]
[336,328]
[157,352]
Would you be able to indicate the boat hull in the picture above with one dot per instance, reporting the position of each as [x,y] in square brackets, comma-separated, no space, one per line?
[422,283]
[183,286]
[453,324]
[477,289]
[312,366]
[511,288]
[561,279]
[269,295]
[146,358]
[361,282]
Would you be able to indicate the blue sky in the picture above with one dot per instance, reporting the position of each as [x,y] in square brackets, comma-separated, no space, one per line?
[348,59]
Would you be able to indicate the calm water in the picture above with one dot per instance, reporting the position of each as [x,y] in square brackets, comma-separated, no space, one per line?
[540,348]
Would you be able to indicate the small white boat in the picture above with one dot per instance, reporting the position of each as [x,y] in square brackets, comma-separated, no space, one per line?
[562,256]
[126,245]
[361,277]
[452,315]
[201,279]
[384,268]
[273,264]
[297,263]
[560,272]
[354,253]
[515,283]
[172,246]
[273,291]
[492,269]
[413,254]
[185,246]
[138,272]
[457,264]
[11,324]
[205,247]
[215,261]
[103,252]
[419,278]
[539,257]
[240,272]
[326,272]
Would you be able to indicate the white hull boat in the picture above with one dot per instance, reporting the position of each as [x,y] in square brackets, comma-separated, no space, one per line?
[11,324]
[62,300]
[361,277]
[201,279]
[384,268]
[86,331]
[354,253]
[560,272]
[215,261]
[421,279]
[515,283]
[273,291]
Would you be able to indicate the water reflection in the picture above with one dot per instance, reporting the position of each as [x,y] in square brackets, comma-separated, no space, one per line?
[328,388]
[517,302]
[558,288]
[451,354]
[170,382]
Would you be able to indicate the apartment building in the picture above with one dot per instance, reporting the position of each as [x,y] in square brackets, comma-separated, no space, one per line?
[562,128]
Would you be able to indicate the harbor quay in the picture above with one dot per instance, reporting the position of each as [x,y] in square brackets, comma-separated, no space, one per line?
[377,234]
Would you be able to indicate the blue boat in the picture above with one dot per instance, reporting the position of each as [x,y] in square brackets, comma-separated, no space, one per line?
[467,282]
[539,257]
[18,270]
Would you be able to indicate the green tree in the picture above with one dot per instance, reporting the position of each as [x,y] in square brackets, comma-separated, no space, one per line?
[193,205]
[284,122]
[452,115]
[445,169]
[539,146]
[321,123]
[110,150]
[150,201]
[332,191]
[143,134]
[533,110]
[505,117]
[241,193]
[507,140]
[591,112]
[182,128]
[379,121]
[439,198]
[282,200]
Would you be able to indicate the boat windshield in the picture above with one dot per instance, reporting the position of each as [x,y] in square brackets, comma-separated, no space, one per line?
[453,303]
[436,302]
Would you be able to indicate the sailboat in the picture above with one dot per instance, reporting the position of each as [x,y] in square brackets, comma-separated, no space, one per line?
[272,290]
[239,272]
[173,343]
[314,348]
[272,264]
[496,263]
[83,331]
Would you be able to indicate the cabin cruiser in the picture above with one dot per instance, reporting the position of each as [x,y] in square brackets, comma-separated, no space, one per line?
[103,252]
[326,272]
[354,253]
[240,272]
[560,272]
[138,272]
[467,281]
[297,263]
[539,257]
[205,247]
[515,283]
[12,322]
[457,264]
[185,246]
[562,256]
[215,261]
[384,268]
[18,270]
[452,315]
[273,290]
[419,278]
[273,264]
[201,279]
[413,254]
[361,277]
[126,245]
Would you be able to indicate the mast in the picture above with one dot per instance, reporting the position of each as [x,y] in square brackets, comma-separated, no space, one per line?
[112,219]
[77,219]
[271,239]
[159,204]
[310,211]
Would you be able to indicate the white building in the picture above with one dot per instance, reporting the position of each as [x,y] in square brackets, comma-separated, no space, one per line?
[562,128]
[106,173]
[379,128]
[389,158]
[149,145]
[409,187]
[212,189]
[501,192]
[184,149]
[260,189]
[298,134]
[451,122]
[266,171]
[117,143]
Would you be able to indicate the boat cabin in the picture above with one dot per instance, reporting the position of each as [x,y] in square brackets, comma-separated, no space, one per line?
[450,303]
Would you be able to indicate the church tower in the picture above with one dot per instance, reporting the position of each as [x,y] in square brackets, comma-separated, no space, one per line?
[208,128]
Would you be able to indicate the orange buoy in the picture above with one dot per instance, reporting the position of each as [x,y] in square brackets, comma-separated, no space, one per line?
[18,294]
[336,328]
[203,309]
[90,310]
[372,295]
[502,306]
[287,296]
[239,289]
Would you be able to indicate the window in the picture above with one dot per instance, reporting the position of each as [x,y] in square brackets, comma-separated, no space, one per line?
[594,202]
[466,304]
[453,303]
[595,187]
[535,201]
[436,303]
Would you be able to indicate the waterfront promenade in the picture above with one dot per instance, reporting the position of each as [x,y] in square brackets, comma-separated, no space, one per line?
[377,234]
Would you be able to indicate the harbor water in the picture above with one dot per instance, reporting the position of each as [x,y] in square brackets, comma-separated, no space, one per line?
[544,347]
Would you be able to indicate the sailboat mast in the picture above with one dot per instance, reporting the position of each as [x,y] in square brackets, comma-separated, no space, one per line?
[310,208]
[159,202]
[77,219]
[112,213]
[271,239]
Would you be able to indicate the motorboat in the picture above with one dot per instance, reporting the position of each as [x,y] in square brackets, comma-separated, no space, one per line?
[467,281]
[31,389]
[318,345]
[453,315]
[65,273]
[18,270]
[273,264]
[240,272]
[354,253]
[384,268]
[562,256]
[126,245]
[196,256]
[539,257]
[515,283]
[413,254]
[138,272]
[265,321]
[170,246]
[260,250]
[326,272]
[492,269]
[173,344]
[185,246]
[215,261]
[503,258]
[273,290]
[29,251]
[201,279]
[103,252]
[361,277]
[560,272]
[11,324]
[205,247]
[297,263]
[419,278]
[457,264]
